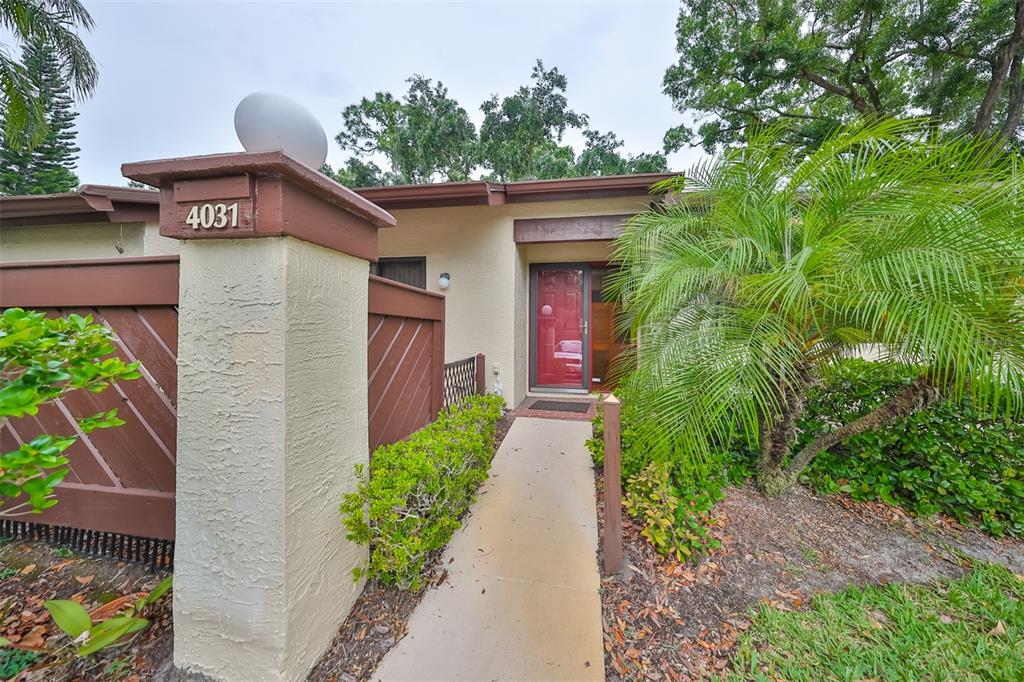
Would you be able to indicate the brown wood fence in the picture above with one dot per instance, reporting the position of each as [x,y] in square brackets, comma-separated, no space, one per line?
[405,359]
[121,480]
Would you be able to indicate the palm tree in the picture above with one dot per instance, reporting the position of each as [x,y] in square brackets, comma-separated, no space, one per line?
[51,24]
[768,265]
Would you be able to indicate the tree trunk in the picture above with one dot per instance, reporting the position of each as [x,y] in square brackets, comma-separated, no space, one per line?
[775,480]
[1000,65]
[1016,104]
[777,438]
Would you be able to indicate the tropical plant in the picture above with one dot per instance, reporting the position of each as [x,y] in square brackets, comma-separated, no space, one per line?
[769,265]
[42,359]
[51,24]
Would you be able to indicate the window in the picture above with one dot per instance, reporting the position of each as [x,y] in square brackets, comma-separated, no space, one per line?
[410,270]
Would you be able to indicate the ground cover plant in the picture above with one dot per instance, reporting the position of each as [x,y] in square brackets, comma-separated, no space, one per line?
[414,495]
[672,620]
[949,458]
[970,628]
[771,265]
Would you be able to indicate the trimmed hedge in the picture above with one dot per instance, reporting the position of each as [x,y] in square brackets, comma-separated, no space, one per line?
[418,489]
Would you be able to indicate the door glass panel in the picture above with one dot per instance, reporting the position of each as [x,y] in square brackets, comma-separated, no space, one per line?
[605,343]
[559,328]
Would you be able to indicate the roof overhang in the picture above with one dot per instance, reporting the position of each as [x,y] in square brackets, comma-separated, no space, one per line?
[89,204]
[496,193]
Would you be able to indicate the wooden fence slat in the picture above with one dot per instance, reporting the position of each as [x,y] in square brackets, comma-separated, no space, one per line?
[122,480]
[405,359]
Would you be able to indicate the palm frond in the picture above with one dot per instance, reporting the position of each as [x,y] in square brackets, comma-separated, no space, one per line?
[766,265]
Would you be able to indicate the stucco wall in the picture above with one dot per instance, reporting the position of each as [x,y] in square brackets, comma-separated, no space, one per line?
[326,436]
[486,305]
[68,242]
[271,408]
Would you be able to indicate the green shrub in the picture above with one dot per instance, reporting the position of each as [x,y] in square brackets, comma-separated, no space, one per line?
[671,497]
[675,520]
[948,458]
[634,456]
[418,489]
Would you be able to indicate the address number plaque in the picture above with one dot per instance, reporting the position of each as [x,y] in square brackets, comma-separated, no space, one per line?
[213,208]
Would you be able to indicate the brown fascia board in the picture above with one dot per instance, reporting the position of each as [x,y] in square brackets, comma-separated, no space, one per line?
[482,193]
[583,188]
[272,163]
[89,204]
[477,193]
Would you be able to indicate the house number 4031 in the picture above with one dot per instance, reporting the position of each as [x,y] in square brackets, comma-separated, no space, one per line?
[212,216]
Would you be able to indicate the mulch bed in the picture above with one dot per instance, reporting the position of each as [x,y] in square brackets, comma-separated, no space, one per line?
[34,572]
[669,621]
[379,618]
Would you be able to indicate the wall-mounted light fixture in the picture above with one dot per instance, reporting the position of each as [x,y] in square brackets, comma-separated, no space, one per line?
[444,281]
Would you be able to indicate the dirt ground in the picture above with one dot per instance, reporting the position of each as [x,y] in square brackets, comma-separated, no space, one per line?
[669,621]
[34,572]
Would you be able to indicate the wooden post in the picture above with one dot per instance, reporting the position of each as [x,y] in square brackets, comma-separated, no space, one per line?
[437,370]
[612,486]
[481,378]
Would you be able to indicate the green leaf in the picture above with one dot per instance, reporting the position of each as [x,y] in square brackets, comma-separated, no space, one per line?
[160,590]
[69,616]
[110,632]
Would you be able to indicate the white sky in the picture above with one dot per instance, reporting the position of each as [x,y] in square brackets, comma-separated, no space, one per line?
[172,73]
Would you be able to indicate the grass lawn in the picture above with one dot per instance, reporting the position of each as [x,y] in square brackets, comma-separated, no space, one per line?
[966,629]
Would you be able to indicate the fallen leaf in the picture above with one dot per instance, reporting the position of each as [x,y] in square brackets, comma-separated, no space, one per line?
[998,631]
[84,579]
[633,653]
[34,639]
[28,569]
[112,606]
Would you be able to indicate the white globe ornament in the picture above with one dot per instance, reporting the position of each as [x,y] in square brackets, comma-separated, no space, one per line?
[265,122]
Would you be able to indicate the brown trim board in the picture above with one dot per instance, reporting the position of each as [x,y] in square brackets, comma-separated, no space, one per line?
[147,280]
[387,297]
[573,229]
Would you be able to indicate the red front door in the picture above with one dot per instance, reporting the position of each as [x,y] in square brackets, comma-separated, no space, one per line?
[559,327]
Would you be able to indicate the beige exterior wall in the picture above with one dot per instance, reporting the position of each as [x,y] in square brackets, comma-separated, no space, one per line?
[272,419]
[69,242]
[486,306]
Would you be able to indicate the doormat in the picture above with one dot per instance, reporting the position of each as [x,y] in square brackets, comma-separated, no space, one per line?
[560,406]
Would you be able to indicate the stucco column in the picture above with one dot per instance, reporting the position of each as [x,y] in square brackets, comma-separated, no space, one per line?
[271,406]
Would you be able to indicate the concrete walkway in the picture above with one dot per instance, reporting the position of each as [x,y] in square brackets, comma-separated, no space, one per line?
[521,600]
